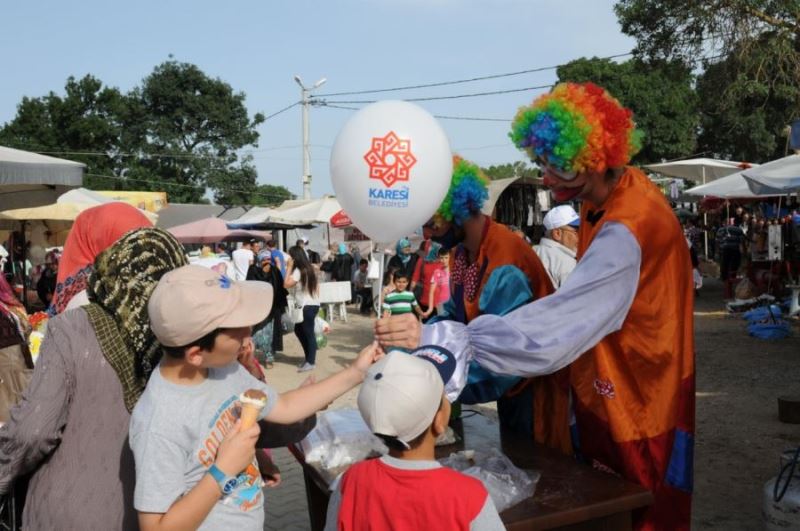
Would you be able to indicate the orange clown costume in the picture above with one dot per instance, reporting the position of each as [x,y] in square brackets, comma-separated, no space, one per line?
[504,274]
[619,331]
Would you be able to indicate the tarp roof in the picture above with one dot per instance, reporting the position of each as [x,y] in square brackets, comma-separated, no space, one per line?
[212,230]
[19,167]
[497,187]
[775,177]
[701,170]
[179,213]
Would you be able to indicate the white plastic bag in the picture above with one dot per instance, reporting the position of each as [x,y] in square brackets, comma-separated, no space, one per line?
[321,326]
[507,484]
[374,270]
[341,438]
[698,278]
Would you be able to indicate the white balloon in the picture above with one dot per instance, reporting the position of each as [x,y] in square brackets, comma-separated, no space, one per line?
[391,167]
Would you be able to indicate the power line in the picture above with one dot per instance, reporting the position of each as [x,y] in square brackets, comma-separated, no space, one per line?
[471,118]
[459,81]
[453,97]
[474,118]
[144,155]
[476,148]
[276,113]
[182,185]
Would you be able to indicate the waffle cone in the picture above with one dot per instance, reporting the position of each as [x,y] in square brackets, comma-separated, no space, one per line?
[249,415]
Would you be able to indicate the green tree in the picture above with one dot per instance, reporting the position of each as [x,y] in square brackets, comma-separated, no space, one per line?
[189,128]
[515,169]
[750,53]
[659,93]
[84,124]
[270,195]
[179,132]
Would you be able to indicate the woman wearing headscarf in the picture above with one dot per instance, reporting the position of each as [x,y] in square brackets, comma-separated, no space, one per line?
[265,271]
[15,359]
[404,260]
[94,231]
[342,269]
[71,427]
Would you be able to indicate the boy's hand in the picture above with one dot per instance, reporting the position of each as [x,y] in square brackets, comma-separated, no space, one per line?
[404,331]
[238,449]
[248,349]
[272,480]
[308,381]
[372,353]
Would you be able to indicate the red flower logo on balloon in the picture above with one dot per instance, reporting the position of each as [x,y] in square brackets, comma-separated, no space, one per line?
[390,159]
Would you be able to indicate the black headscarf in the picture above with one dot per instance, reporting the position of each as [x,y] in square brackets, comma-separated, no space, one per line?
[274,278]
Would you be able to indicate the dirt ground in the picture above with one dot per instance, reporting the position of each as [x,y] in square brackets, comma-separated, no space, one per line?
[738,436]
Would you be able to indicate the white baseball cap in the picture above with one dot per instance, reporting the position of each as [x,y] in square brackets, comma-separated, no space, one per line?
[561,216]
[192,301]
[402,392]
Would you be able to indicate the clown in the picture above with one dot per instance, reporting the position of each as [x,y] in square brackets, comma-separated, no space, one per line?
[492,271]
[621,324]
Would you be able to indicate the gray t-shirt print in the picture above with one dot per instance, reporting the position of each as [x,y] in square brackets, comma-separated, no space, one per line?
[175,432]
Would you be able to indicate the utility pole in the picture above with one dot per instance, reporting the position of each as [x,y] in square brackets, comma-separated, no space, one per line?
[305,101]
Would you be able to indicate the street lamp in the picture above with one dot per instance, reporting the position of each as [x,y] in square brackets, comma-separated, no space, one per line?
[304,100]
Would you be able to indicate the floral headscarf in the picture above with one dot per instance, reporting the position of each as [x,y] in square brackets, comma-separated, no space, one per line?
[124,276]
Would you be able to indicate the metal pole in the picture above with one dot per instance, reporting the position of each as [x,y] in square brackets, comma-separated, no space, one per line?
[24,269]
[306,152]
[705,221]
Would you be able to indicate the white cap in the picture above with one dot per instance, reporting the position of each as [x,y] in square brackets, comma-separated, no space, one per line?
[561,216]
[402,392]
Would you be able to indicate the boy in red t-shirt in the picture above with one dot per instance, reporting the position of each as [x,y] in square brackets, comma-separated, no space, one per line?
[402,401]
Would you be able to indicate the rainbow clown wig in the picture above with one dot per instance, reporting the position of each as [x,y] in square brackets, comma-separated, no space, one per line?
[577,127]
[466,195]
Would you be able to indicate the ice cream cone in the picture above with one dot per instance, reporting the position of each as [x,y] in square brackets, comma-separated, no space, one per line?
[253,401]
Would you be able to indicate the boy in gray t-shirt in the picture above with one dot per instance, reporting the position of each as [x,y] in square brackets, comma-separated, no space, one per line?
[195,462]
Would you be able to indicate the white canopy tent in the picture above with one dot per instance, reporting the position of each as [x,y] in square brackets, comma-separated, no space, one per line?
[780,176]
[29,179]
[315,211]
[256,215]
[730,187]
[702,170]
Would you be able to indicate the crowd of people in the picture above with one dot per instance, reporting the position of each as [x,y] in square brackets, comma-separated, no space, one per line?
[739,243]
[149,363]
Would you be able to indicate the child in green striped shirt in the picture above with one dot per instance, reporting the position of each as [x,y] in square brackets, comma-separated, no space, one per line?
[401,300]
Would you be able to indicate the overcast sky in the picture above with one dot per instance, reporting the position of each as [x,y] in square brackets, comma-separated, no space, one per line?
[258,46]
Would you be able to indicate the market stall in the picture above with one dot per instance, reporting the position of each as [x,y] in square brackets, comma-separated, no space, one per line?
[702,170]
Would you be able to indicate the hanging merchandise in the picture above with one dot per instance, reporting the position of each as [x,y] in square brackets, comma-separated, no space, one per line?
[775,243]
[543,198]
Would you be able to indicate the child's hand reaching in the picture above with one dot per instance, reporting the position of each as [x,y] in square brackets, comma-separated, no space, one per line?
[372,353]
